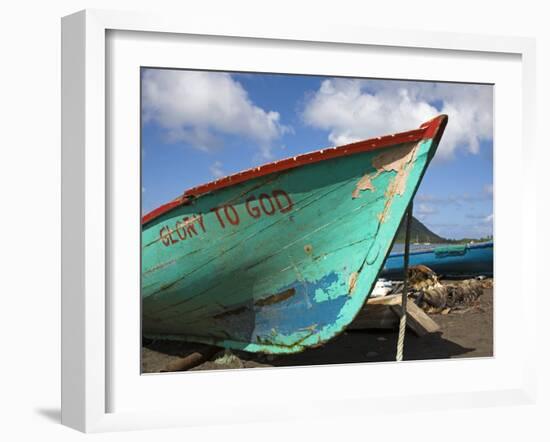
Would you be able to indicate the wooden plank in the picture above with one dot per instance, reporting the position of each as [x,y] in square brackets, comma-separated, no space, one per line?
[418,321]
[384,313]
[377,316]
[385,300]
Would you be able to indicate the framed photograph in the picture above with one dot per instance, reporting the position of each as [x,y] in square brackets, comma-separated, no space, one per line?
[241,205]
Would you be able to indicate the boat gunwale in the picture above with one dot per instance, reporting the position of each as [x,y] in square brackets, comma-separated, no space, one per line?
[426,131]
[482,245]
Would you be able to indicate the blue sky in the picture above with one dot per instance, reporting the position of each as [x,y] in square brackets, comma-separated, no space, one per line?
[198,126]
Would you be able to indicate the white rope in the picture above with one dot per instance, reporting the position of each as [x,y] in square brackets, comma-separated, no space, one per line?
[403,319]
[401,338]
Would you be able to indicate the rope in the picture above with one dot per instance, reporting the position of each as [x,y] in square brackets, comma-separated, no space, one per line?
[403,319]
[401,338]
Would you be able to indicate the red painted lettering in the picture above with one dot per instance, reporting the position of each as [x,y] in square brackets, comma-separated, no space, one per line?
[201,222]
[287,207]
[265,197]
[216,211]
[180,229]
[165,236]
[234,217]
[190,226]
[172,240]
[254,212]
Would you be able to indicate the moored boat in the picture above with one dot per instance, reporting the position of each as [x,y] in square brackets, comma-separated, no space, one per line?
[281,257]
[452,261]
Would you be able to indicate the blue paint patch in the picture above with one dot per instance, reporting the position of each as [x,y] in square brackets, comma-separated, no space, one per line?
[291,320]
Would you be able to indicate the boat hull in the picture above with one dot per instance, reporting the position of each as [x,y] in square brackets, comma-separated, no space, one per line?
[281,262]
[452,262]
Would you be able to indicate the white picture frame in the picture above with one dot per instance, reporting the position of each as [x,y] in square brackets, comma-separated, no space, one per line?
[88,173]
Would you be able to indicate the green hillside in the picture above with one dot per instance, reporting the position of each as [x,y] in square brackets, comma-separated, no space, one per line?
[419,233]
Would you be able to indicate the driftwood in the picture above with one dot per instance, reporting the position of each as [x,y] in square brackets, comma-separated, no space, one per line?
[192,360]
[434,297]
[446,297]
[427,295]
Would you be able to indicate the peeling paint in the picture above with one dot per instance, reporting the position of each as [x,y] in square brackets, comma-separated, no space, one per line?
[398,160]
[352,281]
[395,160]
[310,328]
[330,289]
[365,183]
[278,297]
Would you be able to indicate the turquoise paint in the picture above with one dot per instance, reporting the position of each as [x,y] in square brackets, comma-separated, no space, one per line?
[272,270]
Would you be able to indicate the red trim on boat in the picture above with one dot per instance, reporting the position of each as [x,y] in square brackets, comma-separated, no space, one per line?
[427,130]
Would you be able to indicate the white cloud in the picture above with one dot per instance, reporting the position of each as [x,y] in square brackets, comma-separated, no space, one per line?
[216,169]
[198,107]
[425,209]
[356,109]
[484,195]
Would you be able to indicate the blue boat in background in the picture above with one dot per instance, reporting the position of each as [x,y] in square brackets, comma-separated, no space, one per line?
[465,260]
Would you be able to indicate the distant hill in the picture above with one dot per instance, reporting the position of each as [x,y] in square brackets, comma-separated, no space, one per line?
[419,233]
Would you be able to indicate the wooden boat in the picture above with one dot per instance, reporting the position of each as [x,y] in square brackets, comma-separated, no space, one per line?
[281,257]
[465,260]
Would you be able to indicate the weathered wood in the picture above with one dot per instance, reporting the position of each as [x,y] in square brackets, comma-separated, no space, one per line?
[279,262]
[384,313]
[385,300]
[418,321]
[375,316]
[192,360]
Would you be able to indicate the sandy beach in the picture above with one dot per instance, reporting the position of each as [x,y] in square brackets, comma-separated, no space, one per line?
[464,333]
